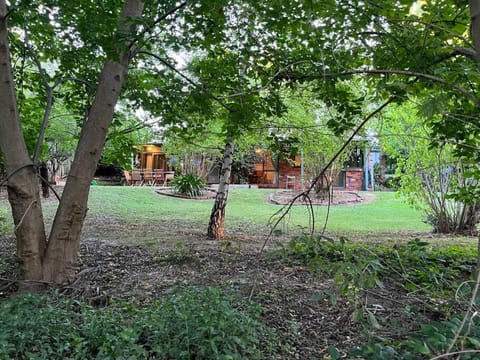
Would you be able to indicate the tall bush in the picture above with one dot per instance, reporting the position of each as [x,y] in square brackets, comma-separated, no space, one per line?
[429,172]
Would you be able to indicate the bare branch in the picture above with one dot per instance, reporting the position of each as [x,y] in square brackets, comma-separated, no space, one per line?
[157,21]
[170,66]
[305,194]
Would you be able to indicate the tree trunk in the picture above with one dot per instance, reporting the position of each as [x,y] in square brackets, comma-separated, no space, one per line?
[23,185]
[44,180]
[55,261]
[474,6]
[63,245]
[216,226]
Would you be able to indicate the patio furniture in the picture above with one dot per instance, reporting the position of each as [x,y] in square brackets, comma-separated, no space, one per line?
[290,181]
[128,177]
[158,176]
[168,177]
[148,177]
[137,178]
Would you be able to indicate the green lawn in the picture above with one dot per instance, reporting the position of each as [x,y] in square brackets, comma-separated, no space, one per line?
[249,208]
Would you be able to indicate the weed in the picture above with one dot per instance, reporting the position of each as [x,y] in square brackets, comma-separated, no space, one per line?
[433,340]
[180,254]
[415,266]
[231,245]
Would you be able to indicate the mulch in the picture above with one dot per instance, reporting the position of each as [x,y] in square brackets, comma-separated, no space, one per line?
[305,309]
[337,197]
[205,195]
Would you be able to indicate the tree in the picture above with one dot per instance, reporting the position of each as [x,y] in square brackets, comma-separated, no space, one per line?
[59,34]
[54,261]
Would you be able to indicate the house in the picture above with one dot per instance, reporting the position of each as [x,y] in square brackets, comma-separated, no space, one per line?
[150,166]
[151,156]
[273,171]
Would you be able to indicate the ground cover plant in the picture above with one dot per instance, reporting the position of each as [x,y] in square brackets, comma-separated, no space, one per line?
[188,185]
[201,321]
[334,298]
[443,275]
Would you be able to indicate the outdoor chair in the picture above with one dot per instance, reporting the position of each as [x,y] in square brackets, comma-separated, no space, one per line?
[128,177]
[137,177]
[148,177]
[168,178]
[158,176]
[290,181]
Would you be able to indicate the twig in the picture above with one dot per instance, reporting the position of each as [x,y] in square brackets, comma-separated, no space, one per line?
[383,296]
[9,283]
[49,185]
[26,281]
[305,194]
[14,172]
[446,355]
[24,215]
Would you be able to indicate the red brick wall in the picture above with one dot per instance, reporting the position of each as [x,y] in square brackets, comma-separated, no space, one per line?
[286,169]
[354,179]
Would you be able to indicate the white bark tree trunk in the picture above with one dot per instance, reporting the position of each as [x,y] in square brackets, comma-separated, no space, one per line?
[216,226]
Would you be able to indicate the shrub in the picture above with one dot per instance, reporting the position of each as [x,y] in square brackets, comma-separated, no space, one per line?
[433,340]
[415,267]
[188,184]
[195,323]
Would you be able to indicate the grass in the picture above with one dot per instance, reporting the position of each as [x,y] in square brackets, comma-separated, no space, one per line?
[249,211]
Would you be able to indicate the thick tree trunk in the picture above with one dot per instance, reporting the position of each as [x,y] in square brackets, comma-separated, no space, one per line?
[474,6]
[63,244]
[216,226]
[23,189]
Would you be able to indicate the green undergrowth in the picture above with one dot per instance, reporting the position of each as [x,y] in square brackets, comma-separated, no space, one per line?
[200,323]
[432,341]
[441,277]
[416,266]
[5,224]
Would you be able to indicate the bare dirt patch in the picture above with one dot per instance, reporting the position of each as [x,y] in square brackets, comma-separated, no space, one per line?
[337,198]
[296,303]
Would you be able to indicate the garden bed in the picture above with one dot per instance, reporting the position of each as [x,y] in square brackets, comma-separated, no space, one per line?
[205,195]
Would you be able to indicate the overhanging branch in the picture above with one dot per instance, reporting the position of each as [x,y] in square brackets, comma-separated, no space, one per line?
[432,78]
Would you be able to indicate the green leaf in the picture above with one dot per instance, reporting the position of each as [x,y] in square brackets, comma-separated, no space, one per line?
[333,352]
